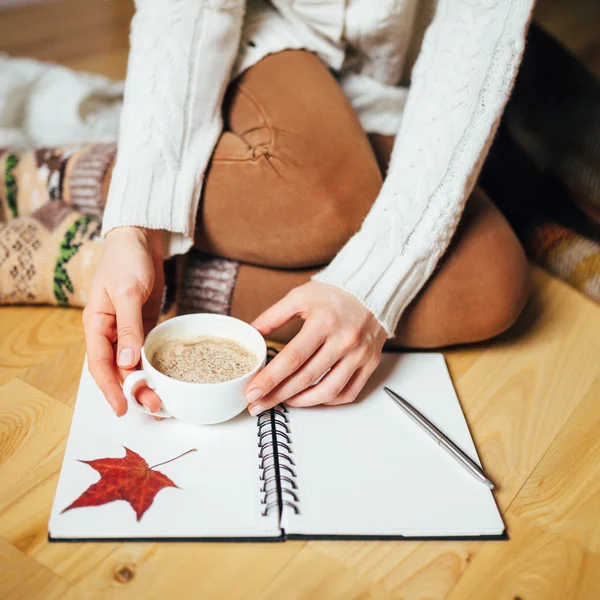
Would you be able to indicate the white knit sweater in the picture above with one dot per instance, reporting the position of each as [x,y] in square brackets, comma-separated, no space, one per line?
[184,52]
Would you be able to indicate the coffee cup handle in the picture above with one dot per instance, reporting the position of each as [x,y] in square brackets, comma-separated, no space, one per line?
[128,386]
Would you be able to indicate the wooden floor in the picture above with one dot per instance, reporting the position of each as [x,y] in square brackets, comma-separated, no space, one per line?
[532,400]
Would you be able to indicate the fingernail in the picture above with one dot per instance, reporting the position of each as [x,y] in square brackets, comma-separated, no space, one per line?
[125,357]
[253,396]
[257,410]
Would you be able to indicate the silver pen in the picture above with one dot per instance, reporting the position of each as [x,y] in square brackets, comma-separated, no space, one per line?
[441,439]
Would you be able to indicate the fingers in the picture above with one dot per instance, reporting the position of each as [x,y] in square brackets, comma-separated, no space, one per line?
[329,388]
[288,361]
[149,398]
[130,326]
[122,291]
[142,393]
[312,370]
[354,386]
[277,315]
[103,370]
[101,329]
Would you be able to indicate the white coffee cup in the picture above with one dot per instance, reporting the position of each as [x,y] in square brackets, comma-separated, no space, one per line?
[197,403]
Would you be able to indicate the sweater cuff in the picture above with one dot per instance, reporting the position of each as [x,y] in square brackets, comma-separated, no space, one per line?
[383,280]
[158,199]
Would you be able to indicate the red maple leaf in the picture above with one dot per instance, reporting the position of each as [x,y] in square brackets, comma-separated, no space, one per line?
[128,478]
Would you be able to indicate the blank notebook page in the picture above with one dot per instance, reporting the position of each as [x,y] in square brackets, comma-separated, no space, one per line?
[367,469]
[218,486]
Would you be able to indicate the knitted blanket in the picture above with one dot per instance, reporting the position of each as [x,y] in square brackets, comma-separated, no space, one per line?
[51,208]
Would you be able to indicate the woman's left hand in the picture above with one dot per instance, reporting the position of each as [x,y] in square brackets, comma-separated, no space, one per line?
[339,333]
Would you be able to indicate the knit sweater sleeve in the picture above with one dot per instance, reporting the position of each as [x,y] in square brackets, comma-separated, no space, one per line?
[460,84]
[181,56]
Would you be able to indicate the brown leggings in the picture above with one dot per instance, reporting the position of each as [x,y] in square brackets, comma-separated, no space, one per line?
[293,177]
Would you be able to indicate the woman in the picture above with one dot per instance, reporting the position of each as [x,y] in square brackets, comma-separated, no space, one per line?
[275,122]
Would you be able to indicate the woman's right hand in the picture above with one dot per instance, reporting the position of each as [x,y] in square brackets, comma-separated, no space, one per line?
[123,305]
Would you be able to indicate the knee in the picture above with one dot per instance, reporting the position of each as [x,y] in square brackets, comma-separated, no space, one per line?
[479,289]
[508,282]
[339,203]
[498,274]
[510,304]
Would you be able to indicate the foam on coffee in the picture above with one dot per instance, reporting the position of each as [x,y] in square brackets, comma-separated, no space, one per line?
[204,359]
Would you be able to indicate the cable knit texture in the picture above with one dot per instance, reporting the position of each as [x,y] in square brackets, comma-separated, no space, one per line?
[183,53]
[181,56]
[460,84]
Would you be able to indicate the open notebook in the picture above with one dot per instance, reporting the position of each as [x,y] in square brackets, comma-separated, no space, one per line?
[360,471]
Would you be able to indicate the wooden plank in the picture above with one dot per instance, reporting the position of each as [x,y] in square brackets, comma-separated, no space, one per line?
[459,361]
[406,569]
[522,390]
[314,575]
[71,562]
[12,327]
[22,578]
[29,335]
[533,565]
[375,560]
[205,570]
[109,565]
[58,375]
[33,430]
[563,493]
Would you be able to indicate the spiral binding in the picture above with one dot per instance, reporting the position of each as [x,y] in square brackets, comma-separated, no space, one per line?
[278,485]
